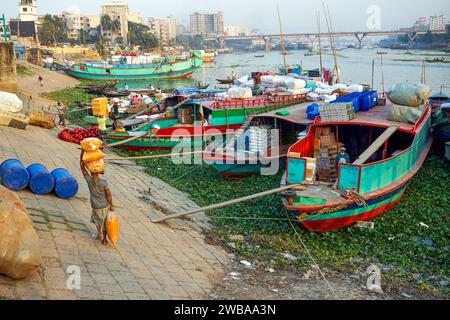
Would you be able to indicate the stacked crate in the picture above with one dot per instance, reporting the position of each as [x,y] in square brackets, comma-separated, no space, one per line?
[259,139]
[325,150]
[337,112]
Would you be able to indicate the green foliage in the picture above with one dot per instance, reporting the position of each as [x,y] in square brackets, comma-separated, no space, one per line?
[71,97]
[399,242]
[140,35]
[192,42]
[52,30]
[23,70]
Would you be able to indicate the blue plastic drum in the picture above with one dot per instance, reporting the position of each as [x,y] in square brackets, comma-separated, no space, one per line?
[41,181]
[365,101]
[65,184]
[13,174]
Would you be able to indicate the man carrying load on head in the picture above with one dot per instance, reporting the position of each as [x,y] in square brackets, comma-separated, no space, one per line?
[100,198]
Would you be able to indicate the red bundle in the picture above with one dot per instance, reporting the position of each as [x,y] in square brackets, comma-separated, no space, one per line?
[78,135]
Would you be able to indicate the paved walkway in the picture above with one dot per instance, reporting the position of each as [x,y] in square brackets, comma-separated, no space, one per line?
[151,261]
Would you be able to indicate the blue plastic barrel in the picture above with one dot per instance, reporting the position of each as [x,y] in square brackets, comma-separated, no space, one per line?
[41,181]
[65,184]
[365,101]
[14,175]
[374,98]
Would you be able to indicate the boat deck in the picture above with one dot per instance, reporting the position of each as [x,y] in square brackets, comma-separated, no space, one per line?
[378,116]
[297,114]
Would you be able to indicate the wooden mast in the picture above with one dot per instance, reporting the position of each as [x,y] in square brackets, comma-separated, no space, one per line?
[320,44]
[283,52]
[330,32]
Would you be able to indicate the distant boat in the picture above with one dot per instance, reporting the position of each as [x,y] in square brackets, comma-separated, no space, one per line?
[259,56]
[381,52]
[308,54]
[225,81]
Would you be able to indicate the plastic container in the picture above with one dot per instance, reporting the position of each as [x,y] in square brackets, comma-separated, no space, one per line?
[365,101]
[65,184]
[41,181]
[13,174]
[100,107]
[374,98]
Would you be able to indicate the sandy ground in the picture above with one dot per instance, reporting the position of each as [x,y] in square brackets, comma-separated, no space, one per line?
[53,81]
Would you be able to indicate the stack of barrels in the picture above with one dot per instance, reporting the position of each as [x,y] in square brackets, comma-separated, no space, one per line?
[15,176]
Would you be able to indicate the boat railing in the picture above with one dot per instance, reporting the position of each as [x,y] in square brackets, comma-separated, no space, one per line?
[257,102]
[375,175]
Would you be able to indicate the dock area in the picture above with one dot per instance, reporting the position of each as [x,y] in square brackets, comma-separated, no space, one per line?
[151,261]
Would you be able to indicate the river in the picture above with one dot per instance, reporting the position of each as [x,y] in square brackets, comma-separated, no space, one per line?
[355,66]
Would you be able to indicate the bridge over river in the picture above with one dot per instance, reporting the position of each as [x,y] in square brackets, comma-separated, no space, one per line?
[311,37]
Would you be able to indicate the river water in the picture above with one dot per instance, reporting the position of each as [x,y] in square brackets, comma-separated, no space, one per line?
[355,66]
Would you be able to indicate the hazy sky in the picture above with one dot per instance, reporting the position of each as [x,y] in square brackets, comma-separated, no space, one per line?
[297,15]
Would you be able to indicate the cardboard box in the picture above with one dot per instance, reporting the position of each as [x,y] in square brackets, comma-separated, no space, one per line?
[326,131]
[328,140]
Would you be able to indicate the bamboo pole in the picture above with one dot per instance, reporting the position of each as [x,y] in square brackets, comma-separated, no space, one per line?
[283,53]
[373,71]
[156,156]
[228,203]
[338,78]
[382,73]
[320,44]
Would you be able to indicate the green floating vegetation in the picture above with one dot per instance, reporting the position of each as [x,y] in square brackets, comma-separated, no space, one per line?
[71,97]
[410,241]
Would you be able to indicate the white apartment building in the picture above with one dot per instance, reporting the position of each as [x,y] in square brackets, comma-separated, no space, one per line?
[207,23]
[236,31]
[135,17]
[117,10]
[164,30]
[437,23]
[77,22]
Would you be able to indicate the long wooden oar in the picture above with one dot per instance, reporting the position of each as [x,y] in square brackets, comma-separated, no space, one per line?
[128,140]
[228,203]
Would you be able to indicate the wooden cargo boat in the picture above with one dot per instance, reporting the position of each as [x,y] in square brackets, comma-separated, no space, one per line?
[240,155]
[185,128]
[163,70]
[384,156]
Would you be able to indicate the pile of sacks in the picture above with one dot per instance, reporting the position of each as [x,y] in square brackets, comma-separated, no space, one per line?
[10,111]
[20,250]
[327,93]
[408,101]
[93,156]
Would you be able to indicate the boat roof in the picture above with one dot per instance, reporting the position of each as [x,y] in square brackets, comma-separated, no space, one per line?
[378,116]
[297,114]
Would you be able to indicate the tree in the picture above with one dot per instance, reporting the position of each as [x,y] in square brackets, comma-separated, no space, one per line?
[107,24]
[140,35]
[52,30]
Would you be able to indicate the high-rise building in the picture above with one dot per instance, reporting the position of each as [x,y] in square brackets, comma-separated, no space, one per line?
[28,10]
[135,17]
[75,23]
[117,10]
[421,24]
[437,23]
[207,23]
[164,30]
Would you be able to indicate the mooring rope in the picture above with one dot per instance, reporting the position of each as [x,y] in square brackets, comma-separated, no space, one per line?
[311,257]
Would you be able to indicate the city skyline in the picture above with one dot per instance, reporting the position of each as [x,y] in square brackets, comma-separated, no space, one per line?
[262,17]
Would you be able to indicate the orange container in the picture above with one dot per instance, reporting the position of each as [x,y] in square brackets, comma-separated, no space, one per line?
[93,156]
[112,227]
[100,107]
[91,144]
[96,166]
